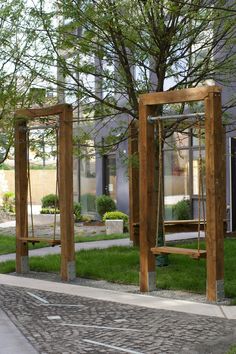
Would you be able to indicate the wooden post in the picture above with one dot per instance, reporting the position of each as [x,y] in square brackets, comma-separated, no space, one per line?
[133,185]
[66,194]
[21,188]
[215,164]
[147,201]
[215,188]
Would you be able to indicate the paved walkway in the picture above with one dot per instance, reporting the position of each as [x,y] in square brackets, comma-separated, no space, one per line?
[11,339]
[41,316]
[66,318]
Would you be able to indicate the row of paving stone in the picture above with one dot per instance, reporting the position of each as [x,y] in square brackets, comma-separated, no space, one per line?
[67,324]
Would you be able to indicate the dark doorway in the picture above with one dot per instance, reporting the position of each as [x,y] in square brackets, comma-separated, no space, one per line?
[110,175]
[233,182]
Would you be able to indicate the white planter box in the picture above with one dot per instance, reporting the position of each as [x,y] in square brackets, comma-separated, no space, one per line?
[114,227]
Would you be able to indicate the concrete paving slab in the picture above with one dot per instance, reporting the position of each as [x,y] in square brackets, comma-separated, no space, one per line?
[229,312]
[11,339]
[6,224]
[148,301]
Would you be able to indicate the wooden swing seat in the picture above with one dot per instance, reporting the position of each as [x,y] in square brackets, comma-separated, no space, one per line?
[193,253]
[40,239]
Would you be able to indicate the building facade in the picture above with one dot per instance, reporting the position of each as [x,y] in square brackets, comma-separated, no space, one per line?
[108,174]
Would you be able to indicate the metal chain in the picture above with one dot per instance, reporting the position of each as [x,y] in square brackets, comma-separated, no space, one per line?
[29,185]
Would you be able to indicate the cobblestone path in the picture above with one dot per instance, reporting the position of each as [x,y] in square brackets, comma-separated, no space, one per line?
[66,324]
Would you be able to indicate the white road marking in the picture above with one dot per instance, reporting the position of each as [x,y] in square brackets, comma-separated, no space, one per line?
[101,327]
[65,305]
[45,302]
[119,320]
[112,347]
[38,298]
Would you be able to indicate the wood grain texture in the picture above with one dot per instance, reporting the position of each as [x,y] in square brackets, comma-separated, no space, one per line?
[193,253]
[148,198]
[215,193]
[178,96]
[21,189]
[42,111]
[66,190]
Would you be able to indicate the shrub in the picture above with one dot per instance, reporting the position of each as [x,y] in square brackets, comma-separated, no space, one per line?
[182,210]
[86,218]
[115,215]
[50,201]
[49,211]
[105,203]
[4,166]
[8,202]
[77,211]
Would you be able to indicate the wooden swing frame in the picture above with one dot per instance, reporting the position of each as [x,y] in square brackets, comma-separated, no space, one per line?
[215,187]
[65,170]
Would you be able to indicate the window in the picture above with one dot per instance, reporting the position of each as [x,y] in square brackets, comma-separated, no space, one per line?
[88,181]
[181,171]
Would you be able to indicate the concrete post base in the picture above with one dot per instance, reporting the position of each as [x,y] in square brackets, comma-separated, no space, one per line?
[151,281]
[220,292]
[24,264]
[71,272]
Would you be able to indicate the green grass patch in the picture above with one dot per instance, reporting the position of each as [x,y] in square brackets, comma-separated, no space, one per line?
[121,265]
[116,264]
[100,237]
[183,273]
[232,350]
[8,243]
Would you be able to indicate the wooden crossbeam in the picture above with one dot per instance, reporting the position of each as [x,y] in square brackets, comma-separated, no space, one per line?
[178,96]
[193,253]
[42,111]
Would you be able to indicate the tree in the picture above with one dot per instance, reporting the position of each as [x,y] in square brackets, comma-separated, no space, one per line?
[19,68]
[119,49]
[110,51]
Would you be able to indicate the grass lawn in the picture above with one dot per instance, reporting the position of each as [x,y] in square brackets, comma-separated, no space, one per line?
[100,237]
[8,243]
[121,265]
[232,350]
